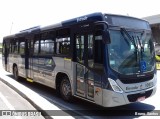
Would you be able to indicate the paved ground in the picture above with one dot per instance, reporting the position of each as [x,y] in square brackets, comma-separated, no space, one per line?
[11,100]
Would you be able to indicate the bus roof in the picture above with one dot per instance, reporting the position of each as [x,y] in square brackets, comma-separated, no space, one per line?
[90,17]
[9,36]
[95,17]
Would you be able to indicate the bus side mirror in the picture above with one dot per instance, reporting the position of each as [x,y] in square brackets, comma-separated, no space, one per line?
[106,37]
[101,27]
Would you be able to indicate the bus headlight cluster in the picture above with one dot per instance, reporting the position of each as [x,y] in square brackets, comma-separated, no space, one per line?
[115,86]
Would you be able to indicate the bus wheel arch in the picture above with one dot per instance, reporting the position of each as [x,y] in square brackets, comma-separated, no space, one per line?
[63,86]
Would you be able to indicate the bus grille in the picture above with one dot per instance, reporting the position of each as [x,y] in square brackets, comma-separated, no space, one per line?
[136,79]
[134,97]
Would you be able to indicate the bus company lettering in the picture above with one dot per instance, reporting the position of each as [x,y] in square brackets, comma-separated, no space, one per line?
[82,19]
[132,88]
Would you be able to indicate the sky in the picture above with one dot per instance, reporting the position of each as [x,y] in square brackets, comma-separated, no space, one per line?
[17,15]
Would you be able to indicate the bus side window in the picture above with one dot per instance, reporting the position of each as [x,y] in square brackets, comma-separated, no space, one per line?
[10,48]
[15,46]
[63,46]
[3,48]
[42,47]
[90,51]
[80,48]
[47,46]
[98,50]
[36,47]
[98,54]
[22,47]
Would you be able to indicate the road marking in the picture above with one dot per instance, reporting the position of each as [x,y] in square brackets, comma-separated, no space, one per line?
[8,104]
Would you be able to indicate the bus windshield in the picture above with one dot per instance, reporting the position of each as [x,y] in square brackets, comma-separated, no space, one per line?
[128,50]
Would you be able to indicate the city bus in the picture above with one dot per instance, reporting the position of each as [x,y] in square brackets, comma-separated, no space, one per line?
[106,59]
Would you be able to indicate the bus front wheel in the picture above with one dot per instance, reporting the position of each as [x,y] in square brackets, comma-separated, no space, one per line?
[65,89]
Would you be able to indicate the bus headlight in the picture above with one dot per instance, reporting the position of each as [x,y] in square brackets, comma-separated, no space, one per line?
[115,86]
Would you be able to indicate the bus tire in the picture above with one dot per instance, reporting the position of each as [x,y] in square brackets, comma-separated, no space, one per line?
[65,89]
[15,73]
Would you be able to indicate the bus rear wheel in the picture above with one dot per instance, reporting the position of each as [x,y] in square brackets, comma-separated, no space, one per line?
[15,73]
[65,89]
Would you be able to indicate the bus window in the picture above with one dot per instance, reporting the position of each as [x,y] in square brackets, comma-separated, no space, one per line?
[4,48]
[98,54]
[36,47]
[90,51]
[98,50]
[80,48]
[15,46]
[63,46]
[47,46]
[22,47]
[10,48]
[42,47]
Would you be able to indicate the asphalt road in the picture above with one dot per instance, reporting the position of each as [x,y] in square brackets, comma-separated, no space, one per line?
[87,110]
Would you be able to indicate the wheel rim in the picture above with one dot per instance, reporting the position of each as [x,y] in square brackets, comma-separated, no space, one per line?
[66,89]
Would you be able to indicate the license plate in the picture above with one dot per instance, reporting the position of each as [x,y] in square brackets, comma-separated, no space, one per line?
[141,98]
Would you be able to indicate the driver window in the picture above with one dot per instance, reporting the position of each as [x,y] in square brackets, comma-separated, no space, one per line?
[96,60]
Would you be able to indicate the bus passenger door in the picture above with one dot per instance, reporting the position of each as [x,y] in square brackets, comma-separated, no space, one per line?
[80,65]
[84,77]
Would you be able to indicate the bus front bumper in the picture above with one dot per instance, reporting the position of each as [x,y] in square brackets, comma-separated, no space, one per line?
[113,99]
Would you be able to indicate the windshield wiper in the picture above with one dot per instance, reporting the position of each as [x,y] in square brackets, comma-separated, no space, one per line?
[141,46]
[123,30]
[140,43]
[130,38]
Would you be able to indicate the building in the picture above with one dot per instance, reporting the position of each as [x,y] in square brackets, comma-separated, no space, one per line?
[155,26]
